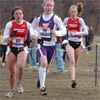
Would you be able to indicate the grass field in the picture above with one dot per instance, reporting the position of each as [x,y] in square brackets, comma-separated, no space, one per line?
[58,85]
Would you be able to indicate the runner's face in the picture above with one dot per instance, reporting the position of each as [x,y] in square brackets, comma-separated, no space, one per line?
[48,7]
[18,15]
[73,12]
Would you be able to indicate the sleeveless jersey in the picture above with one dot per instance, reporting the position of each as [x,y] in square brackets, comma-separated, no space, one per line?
[18,40]
[45,28]
[73,25]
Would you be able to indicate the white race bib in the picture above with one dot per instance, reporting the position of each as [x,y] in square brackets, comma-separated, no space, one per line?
[18,42]
[45,32]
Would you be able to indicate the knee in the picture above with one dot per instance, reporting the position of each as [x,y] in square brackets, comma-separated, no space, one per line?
[20,66]
[72,63]
[44,64]
[12,74]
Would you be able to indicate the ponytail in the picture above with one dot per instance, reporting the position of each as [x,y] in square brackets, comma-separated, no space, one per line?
[79,8]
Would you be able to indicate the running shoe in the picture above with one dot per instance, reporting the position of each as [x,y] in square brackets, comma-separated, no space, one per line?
[74,84]
[43,91]
[20,88]
[10,93]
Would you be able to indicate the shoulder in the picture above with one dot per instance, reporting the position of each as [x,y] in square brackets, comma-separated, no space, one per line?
[9,24]
[27,23]
[81,19]
[66,19]
[57,18]
[36,19]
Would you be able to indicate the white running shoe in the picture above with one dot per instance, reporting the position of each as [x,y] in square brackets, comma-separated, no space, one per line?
[33,68]
[3,64]
[20,88]
[10,93]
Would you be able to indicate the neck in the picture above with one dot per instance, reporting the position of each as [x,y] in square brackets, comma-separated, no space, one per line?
[18,21]
[74,17]
[48,13]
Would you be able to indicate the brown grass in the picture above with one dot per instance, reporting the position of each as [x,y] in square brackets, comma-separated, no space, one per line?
[58,86]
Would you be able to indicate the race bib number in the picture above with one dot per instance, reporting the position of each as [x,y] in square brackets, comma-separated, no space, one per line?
[45,32]
[18,42]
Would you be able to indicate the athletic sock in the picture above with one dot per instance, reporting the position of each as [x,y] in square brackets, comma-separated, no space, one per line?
[42,76]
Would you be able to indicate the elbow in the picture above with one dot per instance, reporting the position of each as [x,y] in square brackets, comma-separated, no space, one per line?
[6,38]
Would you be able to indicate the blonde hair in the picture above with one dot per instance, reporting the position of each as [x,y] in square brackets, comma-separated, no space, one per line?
[46,1]
[79,8]
[73,7]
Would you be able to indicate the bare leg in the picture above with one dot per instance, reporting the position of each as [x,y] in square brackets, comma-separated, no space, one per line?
[71,56]
[12,68]
[21,61]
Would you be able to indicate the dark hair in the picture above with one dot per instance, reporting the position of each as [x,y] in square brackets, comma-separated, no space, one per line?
[79,8]
[14,9]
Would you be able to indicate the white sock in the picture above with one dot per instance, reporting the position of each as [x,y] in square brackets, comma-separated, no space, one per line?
[47,71]
[42,76]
